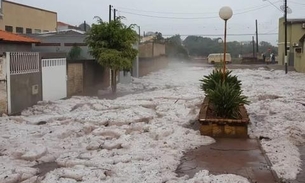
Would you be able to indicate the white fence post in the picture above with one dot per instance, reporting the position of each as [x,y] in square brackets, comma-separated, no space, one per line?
[8,81]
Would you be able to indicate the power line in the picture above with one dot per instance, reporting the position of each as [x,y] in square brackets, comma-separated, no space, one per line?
[207,17]
[273,5]
[187,13]
[165,17]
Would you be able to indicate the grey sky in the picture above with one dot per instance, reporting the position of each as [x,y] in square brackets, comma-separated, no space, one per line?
[243,21]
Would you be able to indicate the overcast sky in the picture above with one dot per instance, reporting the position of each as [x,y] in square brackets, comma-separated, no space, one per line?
[184,17]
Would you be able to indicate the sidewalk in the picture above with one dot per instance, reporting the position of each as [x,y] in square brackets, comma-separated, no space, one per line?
[242,157]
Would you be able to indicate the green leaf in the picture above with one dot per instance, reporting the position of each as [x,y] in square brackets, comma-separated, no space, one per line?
[111,44]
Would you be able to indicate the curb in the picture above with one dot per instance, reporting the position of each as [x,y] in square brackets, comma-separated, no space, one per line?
[277,179]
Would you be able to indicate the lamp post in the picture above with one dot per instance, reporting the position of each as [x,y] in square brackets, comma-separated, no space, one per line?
[136,74]
[225,13]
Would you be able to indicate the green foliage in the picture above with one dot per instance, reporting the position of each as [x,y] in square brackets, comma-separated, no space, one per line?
[159,36]
[174,48]
[111,44]
[226,99]
[203,46]
[224,95]
[210,81]
[75,53]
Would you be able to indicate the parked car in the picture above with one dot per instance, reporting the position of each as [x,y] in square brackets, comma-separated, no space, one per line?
[218,57]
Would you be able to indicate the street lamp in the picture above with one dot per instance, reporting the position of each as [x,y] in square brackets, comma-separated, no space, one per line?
[225,13]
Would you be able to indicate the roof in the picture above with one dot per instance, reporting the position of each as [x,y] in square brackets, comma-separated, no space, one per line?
[10,37]
[65,31]
[64,24]
[296,20]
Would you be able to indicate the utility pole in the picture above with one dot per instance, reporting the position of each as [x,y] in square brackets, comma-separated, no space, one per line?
[139,34]
[114,14]
[253,43]
[286,58]
[257,49]
[110,8]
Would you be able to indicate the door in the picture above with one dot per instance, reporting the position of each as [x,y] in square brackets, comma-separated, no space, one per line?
[54,79]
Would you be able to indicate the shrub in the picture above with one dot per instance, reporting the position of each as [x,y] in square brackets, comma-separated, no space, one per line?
[226,99]
[210,81]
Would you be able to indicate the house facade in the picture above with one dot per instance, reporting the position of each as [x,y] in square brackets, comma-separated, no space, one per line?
[295,31]
[30,23]
[10,70]
[10,42]
[62,42]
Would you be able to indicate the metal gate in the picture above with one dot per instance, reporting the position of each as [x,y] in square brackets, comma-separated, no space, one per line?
[54,78]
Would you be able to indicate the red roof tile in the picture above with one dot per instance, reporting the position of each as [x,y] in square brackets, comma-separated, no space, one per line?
[10,37]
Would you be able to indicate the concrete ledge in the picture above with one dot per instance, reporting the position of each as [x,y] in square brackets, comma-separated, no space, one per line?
[217,127]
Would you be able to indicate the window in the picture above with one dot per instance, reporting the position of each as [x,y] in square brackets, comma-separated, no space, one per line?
[19,30]
[9,28]
[28,31]
[45,31]
[37,31]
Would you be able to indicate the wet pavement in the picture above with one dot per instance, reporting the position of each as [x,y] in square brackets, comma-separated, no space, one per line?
[301,175]
[229,156]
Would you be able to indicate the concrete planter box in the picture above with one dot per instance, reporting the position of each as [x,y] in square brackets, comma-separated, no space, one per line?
[217,127]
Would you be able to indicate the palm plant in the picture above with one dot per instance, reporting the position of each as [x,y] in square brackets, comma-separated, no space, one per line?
[226,99]
[210,81]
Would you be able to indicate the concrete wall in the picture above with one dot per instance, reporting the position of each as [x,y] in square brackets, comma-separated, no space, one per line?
[62,44]
[3,98]
[148,50]
[294,34]
[96,77]
[125,77]
[159,49]
[3,92]
[86,77]
[147,66]
[299,60]
[11,47]
[75,79]
[22,96]
[18,15]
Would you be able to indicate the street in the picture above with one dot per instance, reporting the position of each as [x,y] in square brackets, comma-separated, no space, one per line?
[141,137]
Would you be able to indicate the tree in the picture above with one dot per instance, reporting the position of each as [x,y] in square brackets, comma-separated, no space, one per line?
[174,47]
[110,44]
[159,37]
[267,47]
[75,52]
[203,46]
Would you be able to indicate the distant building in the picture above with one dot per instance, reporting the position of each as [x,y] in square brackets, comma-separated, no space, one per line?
[22,19]
[64,26]
[147,39]
[295,31]
[62,42]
